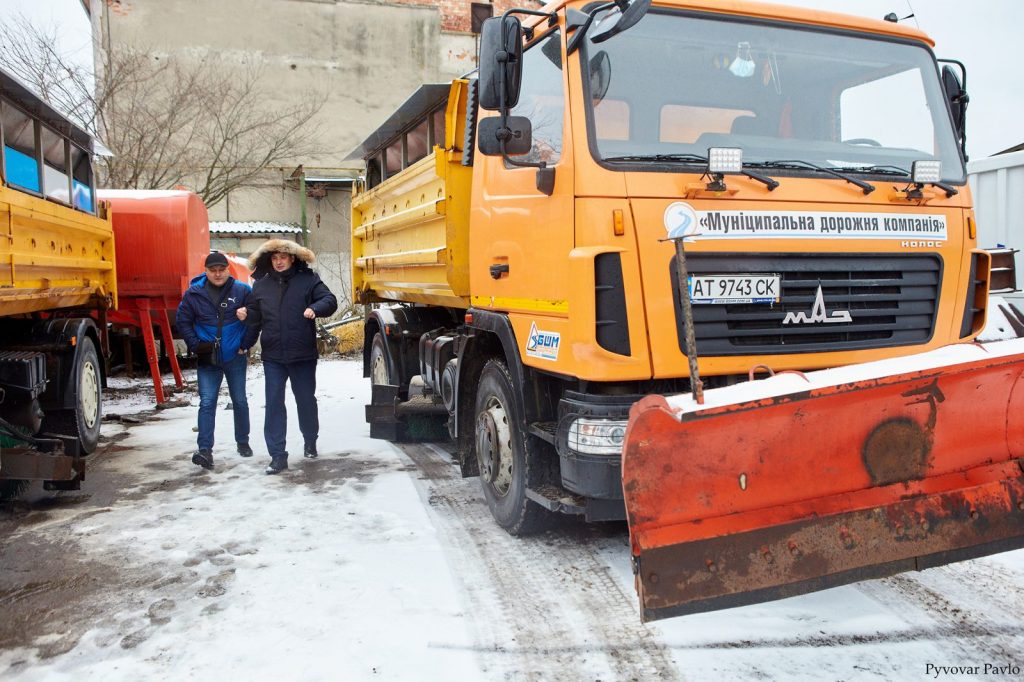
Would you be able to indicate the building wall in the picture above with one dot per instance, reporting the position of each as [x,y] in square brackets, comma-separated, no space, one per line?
[366,57]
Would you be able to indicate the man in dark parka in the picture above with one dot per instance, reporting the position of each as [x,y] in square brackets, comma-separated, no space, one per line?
[286,299]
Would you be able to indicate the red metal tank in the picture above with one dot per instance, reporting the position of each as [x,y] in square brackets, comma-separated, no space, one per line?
[161,239]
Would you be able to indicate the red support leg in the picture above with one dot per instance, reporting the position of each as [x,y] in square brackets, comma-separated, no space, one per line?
[147,335]
[172,355]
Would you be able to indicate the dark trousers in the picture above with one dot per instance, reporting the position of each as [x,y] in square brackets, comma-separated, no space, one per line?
[275,422]
[210,379]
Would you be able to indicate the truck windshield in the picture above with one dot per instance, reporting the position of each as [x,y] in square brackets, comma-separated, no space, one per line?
[674,85]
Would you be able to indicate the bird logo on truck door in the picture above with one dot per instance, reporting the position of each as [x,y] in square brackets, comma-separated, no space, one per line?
[818,314]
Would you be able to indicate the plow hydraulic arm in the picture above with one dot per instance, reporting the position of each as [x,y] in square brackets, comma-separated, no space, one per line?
[794,484]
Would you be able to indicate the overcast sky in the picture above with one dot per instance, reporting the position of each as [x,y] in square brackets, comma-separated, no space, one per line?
[982,34]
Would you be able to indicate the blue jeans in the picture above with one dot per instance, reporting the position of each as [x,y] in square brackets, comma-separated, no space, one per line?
[210,378]
[275,422]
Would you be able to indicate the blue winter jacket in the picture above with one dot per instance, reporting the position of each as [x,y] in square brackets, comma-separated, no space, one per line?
[197,317]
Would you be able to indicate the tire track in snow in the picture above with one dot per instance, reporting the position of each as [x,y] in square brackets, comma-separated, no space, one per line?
[542,607]
[986,579]
[971,631]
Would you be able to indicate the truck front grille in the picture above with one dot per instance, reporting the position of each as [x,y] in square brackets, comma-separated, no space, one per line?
[892,301]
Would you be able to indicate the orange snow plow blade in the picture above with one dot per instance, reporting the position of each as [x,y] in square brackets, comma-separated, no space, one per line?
[825,481]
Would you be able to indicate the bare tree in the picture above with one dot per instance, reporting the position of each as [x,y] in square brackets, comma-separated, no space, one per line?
[200,124]
[29,53]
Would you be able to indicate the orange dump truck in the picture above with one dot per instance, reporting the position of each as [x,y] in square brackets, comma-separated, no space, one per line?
[634,200]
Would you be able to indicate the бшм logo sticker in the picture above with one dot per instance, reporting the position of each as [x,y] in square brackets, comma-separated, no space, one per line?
[542,344]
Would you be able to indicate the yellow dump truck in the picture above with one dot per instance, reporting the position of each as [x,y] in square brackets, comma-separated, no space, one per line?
[56,271]
[630,196]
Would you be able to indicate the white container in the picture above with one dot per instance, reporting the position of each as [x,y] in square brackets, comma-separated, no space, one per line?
[997,184]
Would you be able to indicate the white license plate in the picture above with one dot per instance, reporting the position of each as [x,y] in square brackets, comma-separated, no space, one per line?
[734,288]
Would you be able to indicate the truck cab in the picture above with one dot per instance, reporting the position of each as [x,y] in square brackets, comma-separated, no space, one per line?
[817,249]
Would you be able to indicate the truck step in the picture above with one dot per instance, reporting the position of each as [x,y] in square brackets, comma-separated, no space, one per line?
[557,499]
[544,430]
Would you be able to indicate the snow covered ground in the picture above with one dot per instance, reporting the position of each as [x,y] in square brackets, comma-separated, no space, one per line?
[376,562]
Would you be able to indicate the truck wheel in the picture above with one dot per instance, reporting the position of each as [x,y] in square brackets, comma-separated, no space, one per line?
[84,420]
[502,453]
[380,370]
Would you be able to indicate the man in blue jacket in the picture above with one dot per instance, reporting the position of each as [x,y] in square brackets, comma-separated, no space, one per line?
[207,320]
[287,297]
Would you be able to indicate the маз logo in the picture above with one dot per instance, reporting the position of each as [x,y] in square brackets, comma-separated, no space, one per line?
[818,314]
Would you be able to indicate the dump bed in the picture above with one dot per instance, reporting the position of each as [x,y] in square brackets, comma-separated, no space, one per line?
[410,237]
[53,256]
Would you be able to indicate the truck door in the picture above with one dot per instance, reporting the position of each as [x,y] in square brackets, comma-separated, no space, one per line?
[513,223]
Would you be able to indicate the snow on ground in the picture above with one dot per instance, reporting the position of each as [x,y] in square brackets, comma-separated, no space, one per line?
[997,324]
[330,571]
[127,396]
[376,562]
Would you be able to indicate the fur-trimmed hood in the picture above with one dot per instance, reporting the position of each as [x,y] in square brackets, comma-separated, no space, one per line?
[259,261]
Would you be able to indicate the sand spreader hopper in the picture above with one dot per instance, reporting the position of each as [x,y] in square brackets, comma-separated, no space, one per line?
[796,483]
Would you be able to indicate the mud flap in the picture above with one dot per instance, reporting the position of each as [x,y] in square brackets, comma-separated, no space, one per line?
[380,413]
[416,420]
[825,485]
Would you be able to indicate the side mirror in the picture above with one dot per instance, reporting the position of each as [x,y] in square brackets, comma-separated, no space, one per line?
[956,95]
[600,68]
[624,15]
[501,62]
[516,131]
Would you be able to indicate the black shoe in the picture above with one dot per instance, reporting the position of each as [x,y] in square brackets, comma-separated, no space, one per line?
[277,465]
[244,450]
[309,451]
[203,457]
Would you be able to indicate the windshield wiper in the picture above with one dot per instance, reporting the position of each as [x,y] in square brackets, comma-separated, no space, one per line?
[691,158]
[797,163]
[772,183]
[677,158]
[902,172]
[874,170]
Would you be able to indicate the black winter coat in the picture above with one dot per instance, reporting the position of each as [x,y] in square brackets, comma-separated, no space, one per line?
[276,305]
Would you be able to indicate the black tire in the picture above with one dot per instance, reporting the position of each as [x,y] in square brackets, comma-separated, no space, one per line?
[85,381]
[381,372]
[502,451]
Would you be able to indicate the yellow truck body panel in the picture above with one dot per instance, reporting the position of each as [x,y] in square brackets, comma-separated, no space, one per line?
[52,256]
[410,234]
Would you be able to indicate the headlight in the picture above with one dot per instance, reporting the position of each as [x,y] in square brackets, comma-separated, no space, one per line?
[597,436]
